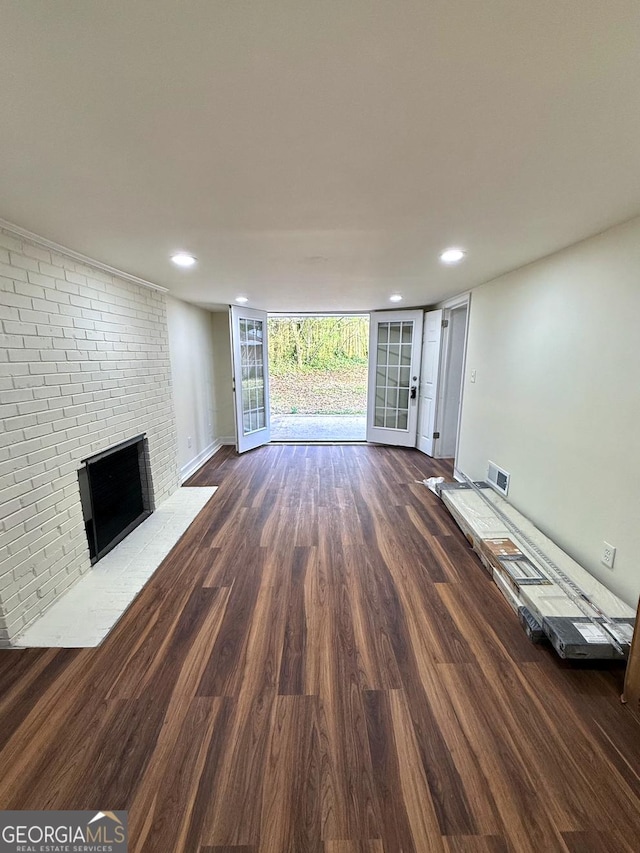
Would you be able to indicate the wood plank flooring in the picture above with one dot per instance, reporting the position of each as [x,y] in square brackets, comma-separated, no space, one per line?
[322,664]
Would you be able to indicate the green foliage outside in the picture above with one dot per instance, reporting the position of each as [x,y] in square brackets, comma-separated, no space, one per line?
[317,343]
[318,365]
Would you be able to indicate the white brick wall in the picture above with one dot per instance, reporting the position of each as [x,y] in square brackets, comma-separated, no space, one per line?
[84,364]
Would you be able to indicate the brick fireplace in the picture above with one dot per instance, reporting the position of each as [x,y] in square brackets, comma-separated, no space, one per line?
[84,365]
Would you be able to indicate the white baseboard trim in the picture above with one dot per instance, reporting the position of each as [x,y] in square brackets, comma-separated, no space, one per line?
[191,467]
[227,439]
[457,475]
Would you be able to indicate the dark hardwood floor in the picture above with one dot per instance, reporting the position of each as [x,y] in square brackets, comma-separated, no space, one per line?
[322,664]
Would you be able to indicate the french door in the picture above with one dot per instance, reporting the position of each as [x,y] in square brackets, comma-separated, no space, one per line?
[395,340]
[250,377]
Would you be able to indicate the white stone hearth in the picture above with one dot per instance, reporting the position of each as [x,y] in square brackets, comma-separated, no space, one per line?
[84,615]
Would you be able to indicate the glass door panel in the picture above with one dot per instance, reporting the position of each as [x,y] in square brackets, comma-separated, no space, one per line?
[251,379]
[396,338]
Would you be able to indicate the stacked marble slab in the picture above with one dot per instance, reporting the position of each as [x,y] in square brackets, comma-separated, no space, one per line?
[545,606]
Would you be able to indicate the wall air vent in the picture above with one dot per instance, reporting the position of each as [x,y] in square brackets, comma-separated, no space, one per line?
[498,478]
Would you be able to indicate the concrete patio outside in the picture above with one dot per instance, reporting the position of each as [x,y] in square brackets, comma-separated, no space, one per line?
[318,427]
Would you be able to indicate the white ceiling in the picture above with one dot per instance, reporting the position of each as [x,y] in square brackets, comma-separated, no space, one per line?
[319,154]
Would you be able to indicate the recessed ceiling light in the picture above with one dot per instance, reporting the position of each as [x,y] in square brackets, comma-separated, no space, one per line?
[183,259]
[241,299]
[452,256]
[395,298]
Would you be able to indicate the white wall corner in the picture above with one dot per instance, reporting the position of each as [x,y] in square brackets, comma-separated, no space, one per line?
[198,461]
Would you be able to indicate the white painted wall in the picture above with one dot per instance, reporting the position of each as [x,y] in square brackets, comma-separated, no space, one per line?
[223,377]
[556,347]
[198,370]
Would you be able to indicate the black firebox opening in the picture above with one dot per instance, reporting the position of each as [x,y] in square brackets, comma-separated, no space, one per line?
[116,494]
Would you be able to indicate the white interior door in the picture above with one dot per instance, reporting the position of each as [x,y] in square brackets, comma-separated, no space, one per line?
[395,339]
[454,338]
[429,381]
[250,377]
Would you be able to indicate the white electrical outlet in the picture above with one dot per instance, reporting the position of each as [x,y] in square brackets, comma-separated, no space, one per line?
[608,555]
[473,375]
[189,441]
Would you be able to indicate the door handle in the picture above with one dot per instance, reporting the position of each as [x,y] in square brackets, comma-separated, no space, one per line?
[413,392]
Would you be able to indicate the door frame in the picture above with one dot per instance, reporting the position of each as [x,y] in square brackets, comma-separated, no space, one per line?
[448,306]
